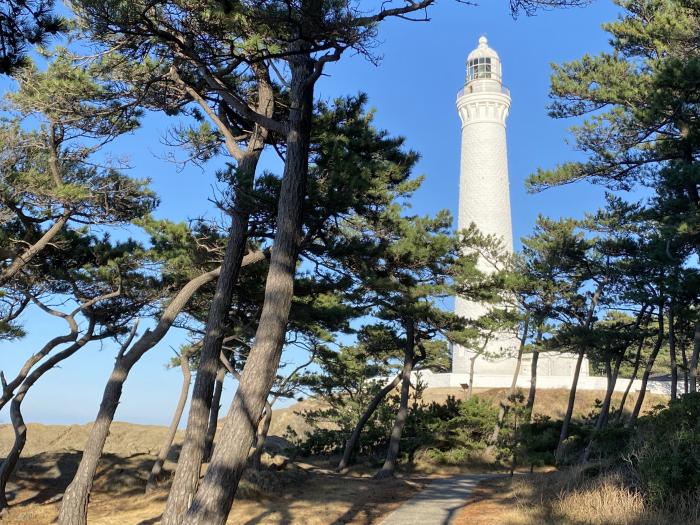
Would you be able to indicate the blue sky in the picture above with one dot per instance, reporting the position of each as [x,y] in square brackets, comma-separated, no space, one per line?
[413,91]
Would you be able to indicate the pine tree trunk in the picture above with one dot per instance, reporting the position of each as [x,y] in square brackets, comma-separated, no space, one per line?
[263,429]
[213,500]
[633,377]
[172,430]
[392,454]
[504,404]
[192,454]
[214,413]
[530,405]
[694,357]
[611,374]
[577,372]
[647,370]
[193,450]
[351,443]
[75,499]
[10,462]
[28,254]
[472,364]
[684,357]
[20,429]
[570,407]
[672,350]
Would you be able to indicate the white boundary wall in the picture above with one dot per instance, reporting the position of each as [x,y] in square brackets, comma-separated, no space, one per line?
[453,380]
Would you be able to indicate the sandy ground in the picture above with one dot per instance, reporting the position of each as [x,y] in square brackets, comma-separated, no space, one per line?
[488,503]
[303,493]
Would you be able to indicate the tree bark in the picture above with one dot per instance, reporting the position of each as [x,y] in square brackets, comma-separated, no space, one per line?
[213,500]
[647,370]
[172,430]
[9,388]
[577,372]
[192,454]
[684,357]
[8,466]
[635,371]
[263,429]
[392,454]
[611,373]
[693,371]
[530,405]
[351,443]
[20,429]
[214,413]
[472,364]
[27,255]
[74,504]
[505,403]
[672,350]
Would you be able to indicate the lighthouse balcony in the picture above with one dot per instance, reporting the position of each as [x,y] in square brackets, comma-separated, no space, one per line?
[486,87]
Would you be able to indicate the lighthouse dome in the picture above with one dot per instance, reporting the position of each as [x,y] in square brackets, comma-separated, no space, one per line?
[483,63]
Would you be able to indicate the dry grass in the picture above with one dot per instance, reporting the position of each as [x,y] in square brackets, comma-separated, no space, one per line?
[572,498]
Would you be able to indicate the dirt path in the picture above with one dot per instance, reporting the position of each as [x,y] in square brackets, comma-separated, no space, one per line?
[438,503]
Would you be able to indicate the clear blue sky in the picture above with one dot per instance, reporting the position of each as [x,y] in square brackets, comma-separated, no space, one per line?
[413,91]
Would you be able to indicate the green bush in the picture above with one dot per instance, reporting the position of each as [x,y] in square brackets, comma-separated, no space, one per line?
[450,431]
[453,456]
[666,457]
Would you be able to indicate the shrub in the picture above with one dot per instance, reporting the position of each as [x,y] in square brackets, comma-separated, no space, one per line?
[450,431]
[666,455]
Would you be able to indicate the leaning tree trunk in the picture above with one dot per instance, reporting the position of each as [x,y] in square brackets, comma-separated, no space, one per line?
[577,372]
[193,450]
[472,365]
[684,357]
[672,350]
[392,454]
[694,357]
[351,443]
[633,378]
[570,407]
[213,500]
[172,430]
[192,454]
[214,413]
[505,403]
[10,462]
[8,387]
[20,429]
[530,404]
[611,373]
[75,499]
[31,251]
[263,429]
[647,371]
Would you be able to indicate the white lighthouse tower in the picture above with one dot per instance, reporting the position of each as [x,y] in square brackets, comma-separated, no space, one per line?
[484,199]
[484,195]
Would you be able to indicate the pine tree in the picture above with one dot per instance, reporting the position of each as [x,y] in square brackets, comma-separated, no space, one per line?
[25,23]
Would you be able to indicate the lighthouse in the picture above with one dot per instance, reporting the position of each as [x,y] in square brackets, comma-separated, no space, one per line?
[484,199]
[484,196]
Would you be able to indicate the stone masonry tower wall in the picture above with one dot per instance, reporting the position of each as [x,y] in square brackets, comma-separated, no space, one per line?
[484,196]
